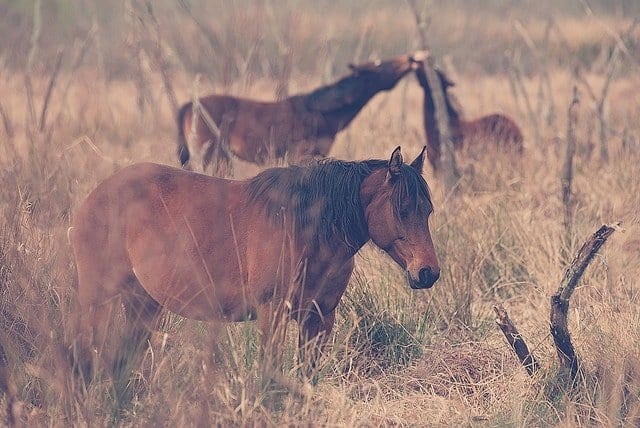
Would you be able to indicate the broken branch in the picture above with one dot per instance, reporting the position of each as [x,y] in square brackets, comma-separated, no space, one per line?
[519,346]
[560,300]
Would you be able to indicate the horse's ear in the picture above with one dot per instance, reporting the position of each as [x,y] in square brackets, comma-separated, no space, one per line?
[444,79]
[395,163]
[418,162]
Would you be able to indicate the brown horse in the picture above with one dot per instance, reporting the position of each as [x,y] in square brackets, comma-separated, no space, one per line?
[493,129]
[299,127]
[277,246]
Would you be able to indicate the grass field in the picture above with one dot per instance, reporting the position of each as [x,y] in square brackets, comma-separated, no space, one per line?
[397,356]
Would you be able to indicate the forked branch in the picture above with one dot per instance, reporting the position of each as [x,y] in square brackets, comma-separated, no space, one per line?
[560,300]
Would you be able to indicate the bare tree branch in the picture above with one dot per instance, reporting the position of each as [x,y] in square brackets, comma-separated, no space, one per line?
[451,173]
[515,339]
[560,300]
[619,40]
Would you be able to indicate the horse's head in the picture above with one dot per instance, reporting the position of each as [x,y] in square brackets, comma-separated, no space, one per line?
[385,73]
[397,206]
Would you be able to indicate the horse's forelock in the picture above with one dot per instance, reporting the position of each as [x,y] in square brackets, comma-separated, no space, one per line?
[410,184]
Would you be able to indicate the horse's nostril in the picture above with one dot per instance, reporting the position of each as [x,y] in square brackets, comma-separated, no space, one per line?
[427,276]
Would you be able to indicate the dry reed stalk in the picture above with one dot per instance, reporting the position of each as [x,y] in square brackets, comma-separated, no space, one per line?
[544,84]
[283,41]
[560,300]
[199,111]
[513,87]
[6,121]
[77,62]
[49,91]
[515,74]
[160,60]
[600,100]
[619,39]
[567,174]
[33,50]
[364,36]
[212,38]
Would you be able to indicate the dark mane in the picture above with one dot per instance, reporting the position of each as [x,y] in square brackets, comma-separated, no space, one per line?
[336,95]
[324,199]
[454,110]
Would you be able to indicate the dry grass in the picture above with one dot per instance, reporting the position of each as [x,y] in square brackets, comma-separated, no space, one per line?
[398,357]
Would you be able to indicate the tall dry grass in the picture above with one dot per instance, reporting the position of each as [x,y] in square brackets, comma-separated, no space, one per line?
[397,357]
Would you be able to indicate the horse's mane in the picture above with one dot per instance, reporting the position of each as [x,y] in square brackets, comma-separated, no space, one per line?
[334,96]
[324,199]
[454,108]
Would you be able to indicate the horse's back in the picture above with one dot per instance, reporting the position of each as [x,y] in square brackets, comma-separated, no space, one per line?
[179,233]
[499,128]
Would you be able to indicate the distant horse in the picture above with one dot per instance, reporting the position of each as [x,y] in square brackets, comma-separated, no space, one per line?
[494,129]
[299,127]
[274,247]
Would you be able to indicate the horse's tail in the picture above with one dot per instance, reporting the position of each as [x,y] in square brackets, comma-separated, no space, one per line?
[183,148]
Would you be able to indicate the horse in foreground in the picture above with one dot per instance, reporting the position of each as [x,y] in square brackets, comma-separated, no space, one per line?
[297,128]
[276,247]
[495,130]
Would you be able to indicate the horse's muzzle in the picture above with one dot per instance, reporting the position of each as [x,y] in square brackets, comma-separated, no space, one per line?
[426,278]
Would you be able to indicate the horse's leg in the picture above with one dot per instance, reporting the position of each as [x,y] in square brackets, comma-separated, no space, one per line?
[216,155]
[142,313]
[98,300]
[314,330]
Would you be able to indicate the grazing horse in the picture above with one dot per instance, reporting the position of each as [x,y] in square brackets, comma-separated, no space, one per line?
[299,127]
[274,247]
[494,129]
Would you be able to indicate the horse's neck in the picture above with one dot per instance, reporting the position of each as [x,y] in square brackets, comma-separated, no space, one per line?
[341,102]
[340,118]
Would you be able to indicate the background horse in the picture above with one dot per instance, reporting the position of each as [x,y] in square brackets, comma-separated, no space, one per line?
[274,247]
[495,128]
[301,126]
